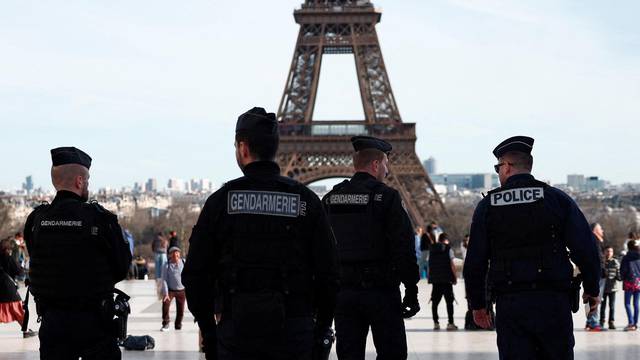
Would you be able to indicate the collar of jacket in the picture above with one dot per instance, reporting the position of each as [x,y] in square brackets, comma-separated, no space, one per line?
[64,194]
[361,175]
[519,177]
[261,168]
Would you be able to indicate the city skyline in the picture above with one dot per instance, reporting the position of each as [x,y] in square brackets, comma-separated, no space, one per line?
[174,184]
[155,88]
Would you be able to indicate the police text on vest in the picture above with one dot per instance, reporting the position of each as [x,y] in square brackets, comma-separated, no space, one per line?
[517,196]
[263,203]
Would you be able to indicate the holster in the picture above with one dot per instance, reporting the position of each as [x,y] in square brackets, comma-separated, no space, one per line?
[115,314]
[322,344]
[574,295]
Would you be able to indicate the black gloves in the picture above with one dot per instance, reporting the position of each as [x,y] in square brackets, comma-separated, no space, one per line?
[410,305]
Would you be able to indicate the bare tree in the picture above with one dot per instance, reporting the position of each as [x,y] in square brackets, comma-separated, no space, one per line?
[180,217]
[458,221]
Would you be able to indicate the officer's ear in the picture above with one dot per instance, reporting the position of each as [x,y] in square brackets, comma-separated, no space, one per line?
[79,182]
[244,152]
[243,148]
[375,165]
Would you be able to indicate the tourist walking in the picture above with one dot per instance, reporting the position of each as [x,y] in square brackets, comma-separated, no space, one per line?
[593,320]
[174,241]
[19,254]
[426,240]
[443,276]
[11,308]
[610,288]
[159,247]
[172,288]
[630,274]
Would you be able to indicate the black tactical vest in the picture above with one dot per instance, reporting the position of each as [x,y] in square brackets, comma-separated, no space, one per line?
[69,259]
[357,226]
[262,247]
[527,250]
[440,264]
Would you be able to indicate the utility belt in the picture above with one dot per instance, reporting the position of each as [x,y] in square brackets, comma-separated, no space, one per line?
[293,305]
[509,287]
[289,292]
[68,304]
[113,312]
[367,277]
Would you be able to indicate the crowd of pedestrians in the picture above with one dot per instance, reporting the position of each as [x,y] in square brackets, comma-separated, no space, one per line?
[620,269]
[626,269]
[11,270]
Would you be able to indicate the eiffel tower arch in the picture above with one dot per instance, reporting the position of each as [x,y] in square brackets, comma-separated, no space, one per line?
[315,150]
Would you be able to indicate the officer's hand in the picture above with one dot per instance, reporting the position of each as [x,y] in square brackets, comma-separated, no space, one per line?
[410,306]
[593,302]
[165,298]
[482,318]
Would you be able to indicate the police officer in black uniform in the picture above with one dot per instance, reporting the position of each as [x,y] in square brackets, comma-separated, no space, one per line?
[376,251]
[75,305]
[520,234]
[262,258]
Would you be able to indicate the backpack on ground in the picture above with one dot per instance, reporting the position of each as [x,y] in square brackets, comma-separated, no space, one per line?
[144,342]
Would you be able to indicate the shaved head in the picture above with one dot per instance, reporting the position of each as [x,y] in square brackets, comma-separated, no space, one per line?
[71,177]
[372,161]
[519,160]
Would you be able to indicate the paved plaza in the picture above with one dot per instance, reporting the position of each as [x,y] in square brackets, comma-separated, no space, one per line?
[424,343]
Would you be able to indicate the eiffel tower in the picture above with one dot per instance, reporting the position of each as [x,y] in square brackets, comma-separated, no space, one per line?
[315,150]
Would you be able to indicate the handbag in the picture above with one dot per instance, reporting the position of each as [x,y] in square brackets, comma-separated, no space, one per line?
[631,285]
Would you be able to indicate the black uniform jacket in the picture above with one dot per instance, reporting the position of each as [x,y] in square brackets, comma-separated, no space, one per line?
[314,244]
[576,235]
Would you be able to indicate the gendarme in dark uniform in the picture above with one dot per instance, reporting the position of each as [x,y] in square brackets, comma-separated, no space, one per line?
[74,302]
[376,251]
[261,257]
[520,234]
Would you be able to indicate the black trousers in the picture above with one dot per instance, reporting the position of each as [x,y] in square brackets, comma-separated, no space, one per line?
[67,334]
[296,343]
[380,309]
[437,292]
[611,299]
[534,325]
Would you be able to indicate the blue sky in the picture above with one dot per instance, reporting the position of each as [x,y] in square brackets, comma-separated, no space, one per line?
[153,88]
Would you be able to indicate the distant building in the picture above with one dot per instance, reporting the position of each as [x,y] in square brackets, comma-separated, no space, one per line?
[198,185]
[430,165]
[28,184]
[175,185]
[466,181]
[151,185]
[576,181]
[593,183]
[137,188]
[206,185]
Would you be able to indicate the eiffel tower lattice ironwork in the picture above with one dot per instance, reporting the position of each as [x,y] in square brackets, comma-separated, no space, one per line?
[315,150]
